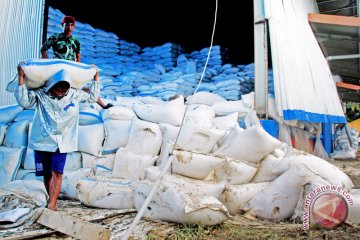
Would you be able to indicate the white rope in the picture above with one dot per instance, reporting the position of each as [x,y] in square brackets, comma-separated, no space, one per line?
[169,160]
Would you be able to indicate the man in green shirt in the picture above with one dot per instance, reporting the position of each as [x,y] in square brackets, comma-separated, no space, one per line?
[64,45]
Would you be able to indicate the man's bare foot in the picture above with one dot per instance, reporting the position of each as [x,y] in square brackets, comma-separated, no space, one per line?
[52,208]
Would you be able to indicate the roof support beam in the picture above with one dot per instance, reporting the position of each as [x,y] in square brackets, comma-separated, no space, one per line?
[341,57]
[348,86]
[261,58]
[334,19]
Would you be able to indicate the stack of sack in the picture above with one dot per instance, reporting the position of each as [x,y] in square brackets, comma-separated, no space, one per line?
[222,162]
[346,144]
[14,125]
[162,71]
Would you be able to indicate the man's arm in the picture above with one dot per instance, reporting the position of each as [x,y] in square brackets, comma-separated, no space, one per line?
[99,101]
[91,94]
[77,50]
[22,95]
[46,46]
[44,53]
[78,57]
[21,76]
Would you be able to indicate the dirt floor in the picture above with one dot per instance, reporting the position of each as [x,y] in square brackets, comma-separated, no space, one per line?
[351,168]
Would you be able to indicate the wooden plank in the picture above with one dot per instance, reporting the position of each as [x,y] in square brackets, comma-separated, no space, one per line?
[73,227]
[334,19]
[67,207]
[348,86]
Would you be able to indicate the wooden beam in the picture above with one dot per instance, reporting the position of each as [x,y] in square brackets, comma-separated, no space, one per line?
[73,226]
[334,19]
[348,86]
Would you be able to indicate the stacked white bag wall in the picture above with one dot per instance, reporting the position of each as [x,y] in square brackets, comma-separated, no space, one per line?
[232,170]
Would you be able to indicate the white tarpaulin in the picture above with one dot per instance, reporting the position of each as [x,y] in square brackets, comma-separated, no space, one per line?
[304,88]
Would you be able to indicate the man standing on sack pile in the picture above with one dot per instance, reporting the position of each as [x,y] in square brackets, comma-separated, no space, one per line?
[55,126]
[66,46]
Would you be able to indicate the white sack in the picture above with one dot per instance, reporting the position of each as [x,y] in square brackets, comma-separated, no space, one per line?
[209,188]
[306,190]
[249,100]
[38,71]
[322,168]
[29,189]
[194,165]
[8,113]
[234,172]
[281,151]
[172,203]
[105,162]
[166,150]
[279,200]
[270,168]
[70,179]
[89,114]
[202,115]
[10,160]
[169,132]
[17,134]
[106,193]
[116,135]
[23,174]
[73,161]
[226,122]
[152,173]
[206,98]
[169,135]
[29,160]
[193,137]
[3,127]
[236,196]
[228,107]
[27,114]
[102,172]
[250,145]
[171,112]
[144,138]
[118,113]
[91,138]
[130,165]
[88,160]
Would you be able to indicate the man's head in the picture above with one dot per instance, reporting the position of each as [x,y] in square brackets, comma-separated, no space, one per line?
[68,24]
[60,89]
[59,84]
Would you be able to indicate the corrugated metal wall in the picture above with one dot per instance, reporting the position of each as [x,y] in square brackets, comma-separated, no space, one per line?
[21,27]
